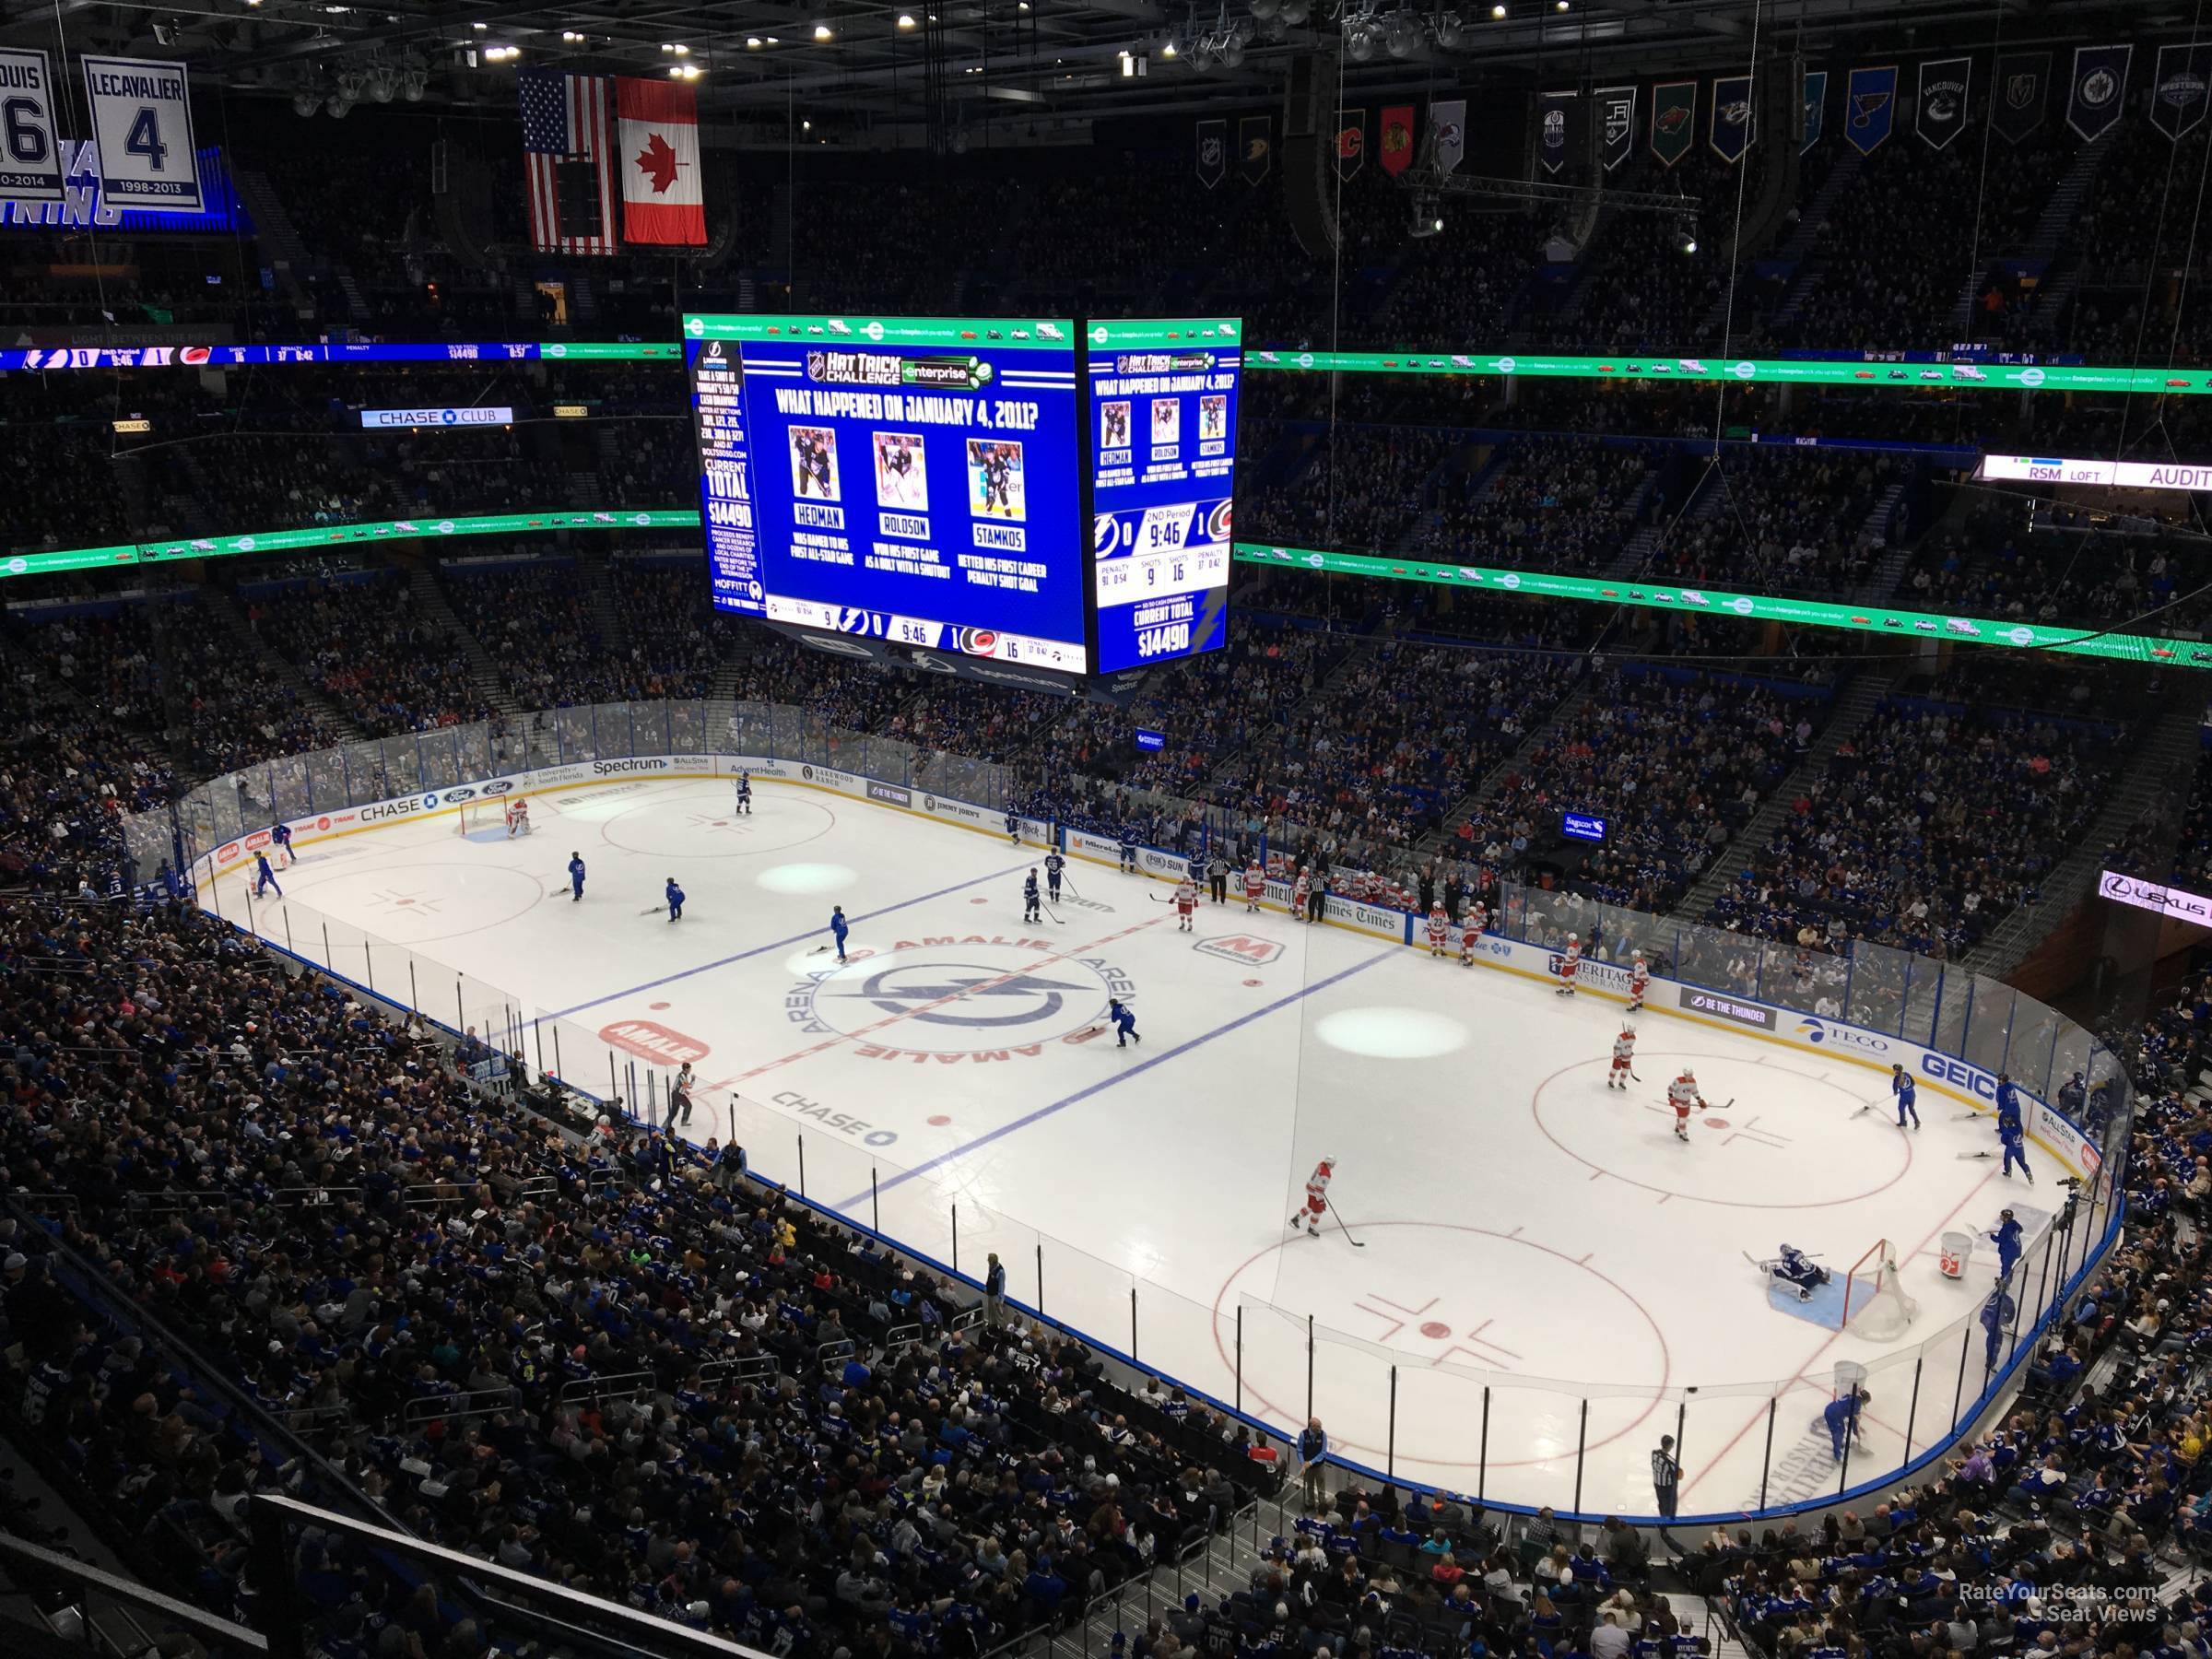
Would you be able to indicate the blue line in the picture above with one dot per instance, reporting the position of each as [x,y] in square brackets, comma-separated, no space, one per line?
[1103,1084]
[776,945]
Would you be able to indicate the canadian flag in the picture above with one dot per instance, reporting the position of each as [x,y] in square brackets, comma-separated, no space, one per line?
[658,154]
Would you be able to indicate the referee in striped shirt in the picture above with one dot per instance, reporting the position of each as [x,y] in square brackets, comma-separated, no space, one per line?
[1666,1477]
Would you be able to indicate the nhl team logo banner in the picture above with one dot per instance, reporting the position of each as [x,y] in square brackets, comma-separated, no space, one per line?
[1352,141]
[30,161]
[1555,130]
[1728,122]
[2093,97]
[1617,124]
[2023,90]
[1673,120]
[1255,147]
[1213,152]
[1944,86]
[1870,98]
[1448,121]
[1814,99]
[142,132]
[1398,138]
[2177,93]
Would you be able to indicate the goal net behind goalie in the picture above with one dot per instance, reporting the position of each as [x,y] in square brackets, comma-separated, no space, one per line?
[1874,1304]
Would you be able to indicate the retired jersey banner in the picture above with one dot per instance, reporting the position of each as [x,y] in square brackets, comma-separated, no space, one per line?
[1673,120]
[1617,124]
[142,131]
[1554,129]
[1352,141]
[2094,96]
[2177,91]
[1945,84]
[1728,122]
[1870,101]
[1256,149]
[1213,152]
[1448,126]
[1398,138]
[31,157]
[2023,90]
[1814,98]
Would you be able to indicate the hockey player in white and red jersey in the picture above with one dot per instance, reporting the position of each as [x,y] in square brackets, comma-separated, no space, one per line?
[1255,886]
[1317,1198]
[1470,932]
[518,817]
[1624,1056]
[1570,962]
[1683,1096]
[1186,902]
[1439,925]
[1300,890]
[1639,981]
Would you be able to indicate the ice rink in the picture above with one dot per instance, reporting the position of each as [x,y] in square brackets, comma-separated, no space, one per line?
[1538,1256]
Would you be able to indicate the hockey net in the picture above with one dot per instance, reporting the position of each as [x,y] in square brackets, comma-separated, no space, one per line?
[1875,1304]
[479,816]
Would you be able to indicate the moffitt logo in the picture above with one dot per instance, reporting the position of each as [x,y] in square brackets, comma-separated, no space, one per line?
[1240,947]
[1839,1036]
[649,1040]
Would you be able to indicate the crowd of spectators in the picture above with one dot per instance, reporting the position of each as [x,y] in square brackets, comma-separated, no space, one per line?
[535,621]
[362,645]
[675,645]
[1552,501]
[231,712]
[1362,487]
[1780,520]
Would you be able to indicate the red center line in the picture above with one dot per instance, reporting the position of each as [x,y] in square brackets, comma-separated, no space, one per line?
[890,1020]
[1714,1462]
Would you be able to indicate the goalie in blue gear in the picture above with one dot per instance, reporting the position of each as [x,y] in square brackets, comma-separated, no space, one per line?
[1792,1266]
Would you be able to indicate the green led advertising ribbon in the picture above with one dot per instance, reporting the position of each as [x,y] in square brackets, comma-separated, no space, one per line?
[1776,371]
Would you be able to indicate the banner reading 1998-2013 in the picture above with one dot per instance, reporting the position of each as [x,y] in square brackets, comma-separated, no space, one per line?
[142,128]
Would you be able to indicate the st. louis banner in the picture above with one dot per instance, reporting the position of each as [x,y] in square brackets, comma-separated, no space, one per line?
[141,130]
[1870,107]
[1398,138]
[2177,91]
[1448,120]
[2095,94]
[1554,129]
[1673,120]
[1255,147]
[1944,86]
[30,161]
[1352,141]
[1212,161]
[2023,89]
[1729,121]
[1815,108]
[1617,124]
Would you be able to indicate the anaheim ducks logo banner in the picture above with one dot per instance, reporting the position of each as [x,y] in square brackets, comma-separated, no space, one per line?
[1945,84]
[2023,91]
[1255,147]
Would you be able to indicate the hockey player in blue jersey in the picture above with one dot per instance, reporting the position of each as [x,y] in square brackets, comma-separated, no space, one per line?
[1792,1266]
[575,878]
[1907,1093]
[2007,1240]
[1124,1022]
[674,896]
[839,927]
[1054,865]
[1013,824]
[2010,1131]
[744,794]
[1842,1417]
[1030,899]
[280,837]
[265,879]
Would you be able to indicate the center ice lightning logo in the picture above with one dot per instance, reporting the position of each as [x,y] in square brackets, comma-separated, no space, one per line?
[945,998]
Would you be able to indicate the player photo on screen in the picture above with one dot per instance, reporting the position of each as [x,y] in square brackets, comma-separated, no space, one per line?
[1167,421]
[814,463]
[1212,419]
[901,474]
[994,481]
[1113,425]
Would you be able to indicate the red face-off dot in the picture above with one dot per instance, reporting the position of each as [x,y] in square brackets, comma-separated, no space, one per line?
[656,1007]
[1436,1330]
[939,1121]
[1714,1123]
[979,901]
[1251,981]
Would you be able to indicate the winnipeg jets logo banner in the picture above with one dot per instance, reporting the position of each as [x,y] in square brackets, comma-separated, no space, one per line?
[2094,96]
[1213,152]
[1729,121]
[2023,90]
[2177,91]
[1870,108]
[1944,86]
[1815,104]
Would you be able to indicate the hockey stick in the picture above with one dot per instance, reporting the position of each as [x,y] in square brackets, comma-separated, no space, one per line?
[1965,1117]
[653,910]
[1632,1074]
[1357,1244]
[1965,1157]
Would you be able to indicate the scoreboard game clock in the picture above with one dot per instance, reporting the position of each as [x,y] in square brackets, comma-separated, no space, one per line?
[1032,492]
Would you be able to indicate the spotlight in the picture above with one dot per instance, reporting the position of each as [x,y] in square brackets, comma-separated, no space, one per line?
[821,31]
[906,20]
[339,106]
[570,36]
[1169,49]
[305,102]
[1498,10]
[1361,40]
[1402,35]
[752,42]
[1263,9]
[1451,32]
[1297,11]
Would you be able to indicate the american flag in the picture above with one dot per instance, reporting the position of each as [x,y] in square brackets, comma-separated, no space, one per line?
[568,157]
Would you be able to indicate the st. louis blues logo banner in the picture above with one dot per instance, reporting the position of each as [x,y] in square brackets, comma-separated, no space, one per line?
[1870,108]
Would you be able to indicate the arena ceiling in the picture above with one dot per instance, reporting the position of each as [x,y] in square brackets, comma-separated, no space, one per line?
[1050,60]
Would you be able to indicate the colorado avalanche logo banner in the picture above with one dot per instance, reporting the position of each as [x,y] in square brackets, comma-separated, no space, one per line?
[1870,104]
[2023,89]
[2099,79]
[1728,122]
[1447,120]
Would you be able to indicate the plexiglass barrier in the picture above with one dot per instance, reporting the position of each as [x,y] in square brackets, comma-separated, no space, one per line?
[1752,1445]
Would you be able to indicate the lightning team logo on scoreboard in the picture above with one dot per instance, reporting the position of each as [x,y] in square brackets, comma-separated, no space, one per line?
[1161,529]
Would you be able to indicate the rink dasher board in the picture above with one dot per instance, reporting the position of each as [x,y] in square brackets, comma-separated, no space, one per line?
[1830,1040]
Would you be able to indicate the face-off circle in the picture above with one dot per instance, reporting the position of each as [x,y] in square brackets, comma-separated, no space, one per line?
[960,997]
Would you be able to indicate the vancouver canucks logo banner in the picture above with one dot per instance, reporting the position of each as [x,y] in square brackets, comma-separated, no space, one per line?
[1617,124]
[1673,120]
[1870,104]
[2023,89]
[2177,91]
[2093,97]
[1728,127]
[1815,108]
[1213,152]
[1944,86]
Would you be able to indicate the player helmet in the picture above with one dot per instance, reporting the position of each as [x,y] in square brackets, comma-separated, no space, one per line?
[1574,939]
[1627,1030]
[1328,1163]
